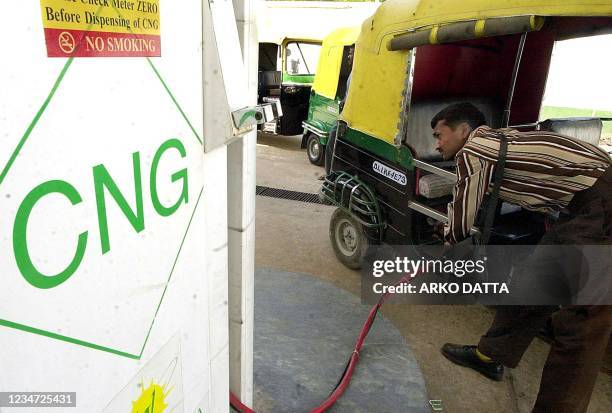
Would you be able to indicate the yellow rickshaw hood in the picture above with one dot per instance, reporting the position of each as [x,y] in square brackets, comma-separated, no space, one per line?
[378,79]
[330,60]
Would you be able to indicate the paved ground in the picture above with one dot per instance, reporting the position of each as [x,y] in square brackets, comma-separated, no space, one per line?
[293,236]
[300,351]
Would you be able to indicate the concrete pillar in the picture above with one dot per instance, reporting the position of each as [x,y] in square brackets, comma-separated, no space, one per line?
[241,221]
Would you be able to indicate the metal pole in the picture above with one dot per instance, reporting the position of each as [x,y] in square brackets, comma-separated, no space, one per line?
[517,64]
[241,157]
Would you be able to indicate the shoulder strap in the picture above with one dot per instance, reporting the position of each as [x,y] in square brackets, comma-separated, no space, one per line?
[494,196]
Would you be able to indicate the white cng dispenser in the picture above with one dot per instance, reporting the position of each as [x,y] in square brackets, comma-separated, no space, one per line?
[114,117]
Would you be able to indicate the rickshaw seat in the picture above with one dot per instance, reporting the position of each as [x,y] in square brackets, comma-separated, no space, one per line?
[432,186]
[270,79]
[583,129]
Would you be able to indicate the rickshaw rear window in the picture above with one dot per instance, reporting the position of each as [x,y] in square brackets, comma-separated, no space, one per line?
[302,58]
[579,82]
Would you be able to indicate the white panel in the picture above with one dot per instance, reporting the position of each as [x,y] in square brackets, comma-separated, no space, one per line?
[224,78]
[153,308]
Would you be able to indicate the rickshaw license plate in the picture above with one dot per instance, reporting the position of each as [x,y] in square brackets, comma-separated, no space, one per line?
[390,173]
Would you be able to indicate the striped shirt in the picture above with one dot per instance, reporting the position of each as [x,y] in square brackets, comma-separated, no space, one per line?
[543,172]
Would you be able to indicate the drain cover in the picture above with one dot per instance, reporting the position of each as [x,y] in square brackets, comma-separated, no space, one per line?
[287,194]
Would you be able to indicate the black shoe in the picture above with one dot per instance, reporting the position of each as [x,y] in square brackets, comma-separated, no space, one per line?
[466,356]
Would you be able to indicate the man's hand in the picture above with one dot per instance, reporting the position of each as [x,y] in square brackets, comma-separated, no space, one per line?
[438,230]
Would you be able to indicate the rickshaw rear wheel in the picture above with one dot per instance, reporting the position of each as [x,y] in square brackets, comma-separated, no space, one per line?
[348,239]
[314,149]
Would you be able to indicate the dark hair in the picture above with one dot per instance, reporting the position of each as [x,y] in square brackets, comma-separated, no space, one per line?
[458,113]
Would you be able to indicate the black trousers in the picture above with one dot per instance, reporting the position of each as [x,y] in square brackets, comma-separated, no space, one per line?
[581,332]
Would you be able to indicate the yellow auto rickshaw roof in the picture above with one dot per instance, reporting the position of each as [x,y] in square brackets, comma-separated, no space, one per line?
[406,15]
[330,60]
[378,76]
[344,36]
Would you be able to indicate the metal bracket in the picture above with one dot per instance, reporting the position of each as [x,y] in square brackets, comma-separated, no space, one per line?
[434,169]
[244,120]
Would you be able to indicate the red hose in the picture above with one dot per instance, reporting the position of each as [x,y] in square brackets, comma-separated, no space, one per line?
[237,405]
[329,402]
[348,374]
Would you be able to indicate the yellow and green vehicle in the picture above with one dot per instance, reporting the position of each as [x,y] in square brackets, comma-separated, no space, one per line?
[286,74]
[328,91]
[413,58]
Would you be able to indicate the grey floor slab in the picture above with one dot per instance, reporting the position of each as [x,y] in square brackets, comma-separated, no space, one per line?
[305,330]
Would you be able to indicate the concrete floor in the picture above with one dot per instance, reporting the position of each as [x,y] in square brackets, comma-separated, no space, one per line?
[293,236]
[304,336]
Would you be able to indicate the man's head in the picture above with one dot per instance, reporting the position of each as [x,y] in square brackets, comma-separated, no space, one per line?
[350,55]
[452,126]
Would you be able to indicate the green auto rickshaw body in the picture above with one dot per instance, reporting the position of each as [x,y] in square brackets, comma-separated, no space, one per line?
[330,84]
[286,74]
[413,58]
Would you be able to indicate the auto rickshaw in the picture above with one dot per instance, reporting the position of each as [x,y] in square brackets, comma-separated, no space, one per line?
[286,73]
[328,90]
[414,58]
